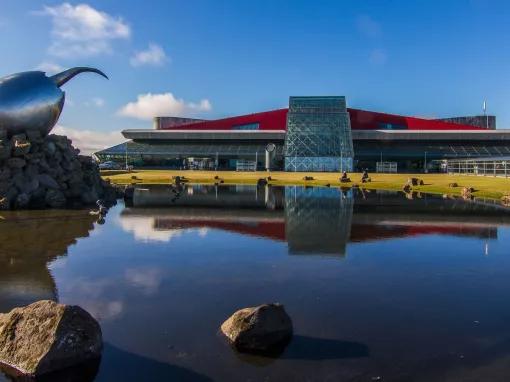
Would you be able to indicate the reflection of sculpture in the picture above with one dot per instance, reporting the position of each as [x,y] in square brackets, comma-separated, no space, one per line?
[27,245]
[31,101]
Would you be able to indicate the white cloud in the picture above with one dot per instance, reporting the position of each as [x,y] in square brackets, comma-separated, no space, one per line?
[90,141]
[378,57]
[148,106]
[367,26]
[154,55]
[99,102]
[96,101]
[81,30]
[49,67]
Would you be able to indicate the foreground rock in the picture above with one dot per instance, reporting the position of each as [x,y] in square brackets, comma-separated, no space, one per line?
[46,336]
[259,329]
[37,172]
[467,192]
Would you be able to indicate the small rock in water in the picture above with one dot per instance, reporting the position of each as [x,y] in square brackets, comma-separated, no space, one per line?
[259,329]
[46,336]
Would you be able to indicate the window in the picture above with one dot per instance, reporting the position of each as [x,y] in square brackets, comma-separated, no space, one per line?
[390,126]
[247,126]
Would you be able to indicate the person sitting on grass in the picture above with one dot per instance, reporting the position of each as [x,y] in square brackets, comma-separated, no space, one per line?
[344,177]
[365,178]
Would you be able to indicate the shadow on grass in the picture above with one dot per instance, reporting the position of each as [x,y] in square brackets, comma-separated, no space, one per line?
[115,172]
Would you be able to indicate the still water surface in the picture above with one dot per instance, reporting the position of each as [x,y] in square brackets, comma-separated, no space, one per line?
[379,287]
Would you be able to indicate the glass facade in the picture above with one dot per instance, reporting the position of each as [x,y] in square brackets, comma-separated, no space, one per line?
[173,154]
[318,135]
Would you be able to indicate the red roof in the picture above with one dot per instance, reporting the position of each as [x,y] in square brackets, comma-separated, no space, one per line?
[360,120]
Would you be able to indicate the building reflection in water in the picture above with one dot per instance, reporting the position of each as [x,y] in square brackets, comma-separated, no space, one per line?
[312,221]
[317,220]
[29,241]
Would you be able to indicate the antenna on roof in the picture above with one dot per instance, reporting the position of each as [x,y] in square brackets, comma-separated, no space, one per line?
[484,107]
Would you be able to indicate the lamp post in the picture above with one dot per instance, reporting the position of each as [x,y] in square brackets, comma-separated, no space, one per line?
[270,148]
[126,155]
[485,114]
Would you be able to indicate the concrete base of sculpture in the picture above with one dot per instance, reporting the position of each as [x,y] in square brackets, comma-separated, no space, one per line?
[47,172]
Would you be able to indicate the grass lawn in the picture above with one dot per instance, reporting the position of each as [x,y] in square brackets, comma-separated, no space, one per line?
[487,187]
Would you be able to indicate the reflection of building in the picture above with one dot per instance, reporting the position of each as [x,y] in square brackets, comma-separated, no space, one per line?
[387,215]
[317,220]
[310,138]
[314,220]
[28,243]
[311,220]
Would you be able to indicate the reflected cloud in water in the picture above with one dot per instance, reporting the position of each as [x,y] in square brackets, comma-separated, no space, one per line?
[145,229]
[95,296]
[146,279]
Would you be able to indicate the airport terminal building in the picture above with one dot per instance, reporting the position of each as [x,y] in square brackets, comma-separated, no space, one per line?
[312,134]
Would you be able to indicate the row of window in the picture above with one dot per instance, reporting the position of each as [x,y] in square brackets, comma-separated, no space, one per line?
[247,126]
[390,126]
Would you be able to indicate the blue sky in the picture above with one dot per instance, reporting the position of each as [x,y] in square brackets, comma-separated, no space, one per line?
[217,58]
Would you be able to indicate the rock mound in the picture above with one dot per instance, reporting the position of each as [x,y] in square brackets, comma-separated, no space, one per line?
[37,172]
[259,329]
[46,336]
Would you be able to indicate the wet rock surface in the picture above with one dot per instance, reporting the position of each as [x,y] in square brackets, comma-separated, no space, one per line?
[37,172]
[262,329]
[45,337]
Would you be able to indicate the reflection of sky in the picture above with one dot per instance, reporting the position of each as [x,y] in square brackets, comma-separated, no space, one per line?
[143,229]
[167,303]
[164,299]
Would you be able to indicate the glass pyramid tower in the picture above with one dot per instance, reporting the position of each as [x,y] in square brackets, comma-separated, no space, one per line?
[318,135]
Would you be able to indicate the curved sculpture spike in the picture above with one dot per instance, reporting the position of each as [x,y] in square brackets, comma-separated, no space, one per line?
[61,78]
[31,101]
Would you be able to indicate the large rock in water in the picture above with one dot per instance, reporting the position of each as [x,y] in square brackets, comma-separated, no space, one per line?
[46,336]
[260,329]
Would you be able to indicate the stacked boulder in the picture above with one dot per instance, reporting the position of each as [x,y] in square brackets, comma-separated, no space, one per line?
[47,172]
